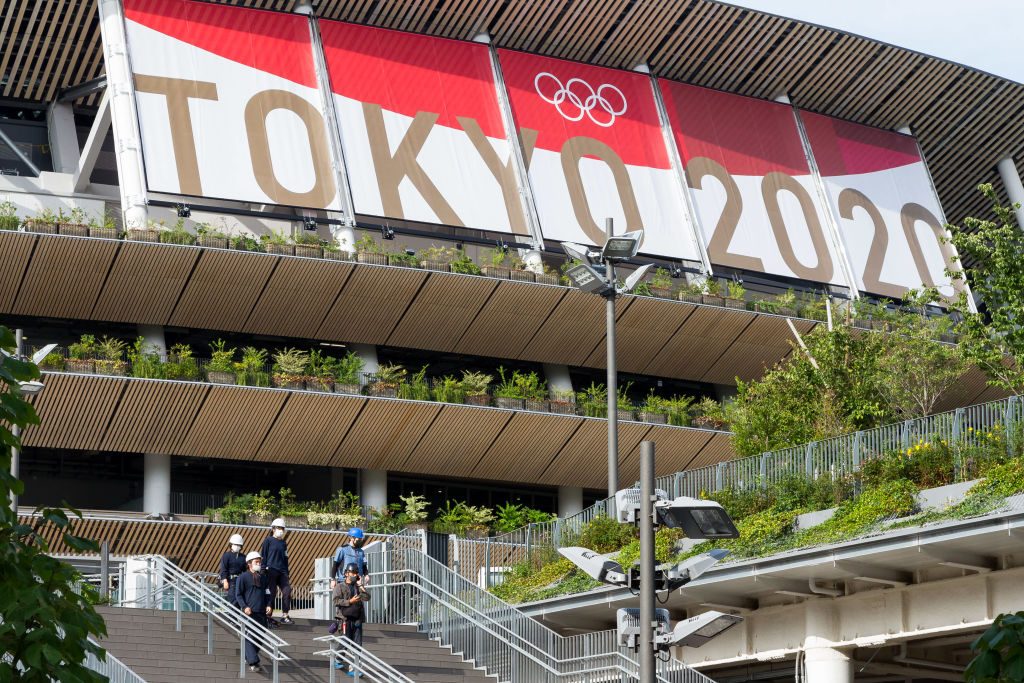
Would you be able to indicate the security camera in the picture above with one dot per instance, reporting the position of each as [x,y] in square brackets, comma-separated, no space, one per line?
[678,575]
[627,625]
[597,567]
[697,518]
[697,630]
[628,504]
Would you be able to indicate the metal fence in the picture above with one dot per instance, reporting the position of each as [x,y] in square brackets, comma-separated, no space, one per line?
[409,587]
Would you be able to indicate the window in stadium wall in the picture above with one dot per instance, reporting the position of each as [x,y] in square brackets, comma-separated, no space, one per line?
[31,139]
[751,184]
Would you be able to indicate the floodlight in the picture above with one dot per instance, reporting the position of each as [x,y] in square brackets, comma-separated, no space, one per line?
[697,518]
[689,569]
[387,232]
[184,211]
[42,353]
[698,630]
[627,625]
[597,567]
[635,277]
[579,252]
[587,279]
[622,247]
[30,388]
[309,224]
[628,504]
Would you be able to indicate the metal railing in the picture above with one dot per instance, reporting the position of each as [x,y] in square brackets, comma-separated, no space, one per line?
[164,579]
[370,667]
[409,587]
[965,427]
[112,668]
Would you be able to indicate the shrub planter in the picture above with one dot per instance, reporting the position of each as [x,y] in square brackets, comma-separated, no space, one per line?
[382,390]
[478,399]
[308,251]
[82,366]
[713,300]
[258,519]
[662,292]
[283,249]
[117,368]
[372,258]
[417,526]
[691,298]
[293,521]
[353,389]
[562,407]
[105,233]
[441,266]
[289,382]
[546,278]
[320,385]
[786,311]
[177,237]
[143,235]
[217,377]
[625,415]
[74,229]
[739,304]
[653,418]
[336,255]
[213,242]
[40,227]
[473,532]
[510,403]
[705,422]
[500,272]
[522,276]
[765,307]
[9,222]
[537,406]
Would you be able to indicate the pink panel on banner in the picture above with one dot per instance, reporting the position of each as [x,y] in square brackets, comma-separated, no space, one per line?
[228,103]
[888,215]
[421,127]
[595,150]
[751,184]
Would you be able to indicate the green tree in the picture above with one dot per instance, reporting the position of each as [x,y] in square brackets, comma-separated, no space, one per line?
[994,337]
[1000,652]
[46,623]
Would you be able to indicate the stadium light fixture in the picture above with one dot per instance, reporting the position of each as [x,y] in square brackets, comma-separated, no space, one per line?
[309,223]
[622,247]
[697,518]
[698,630]
[184,211]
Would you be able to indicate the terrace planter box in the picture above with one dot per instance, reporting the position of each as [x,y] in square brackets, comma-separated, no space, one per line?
[115,368]
[336,255]
[74,229]
[786,311]
[308,251]
[213,242]
[217,377]
[170,237]
[510,403]
[143,235]
[289,382]
[500,272]
[662,292]
[522,276]
[320,385]
[562,407]
[625,415]
[653,418]
[82,366]
[478,400]
[382,390]
[537,406]
[372,258]
[40,227]
[739,304]
[9,222]
[440,266]
[352,389]
[282,249]
[546,278]
[713,300]
[691,298]
[105,233]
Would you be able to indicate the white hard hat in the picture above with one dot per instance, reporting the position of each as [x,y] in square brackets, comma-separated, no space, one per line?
[277,522]
[236,539]
[253,556]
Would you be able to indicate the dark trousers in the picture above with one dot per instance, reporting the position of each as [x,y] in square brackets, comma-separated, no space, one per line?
[276,579]
[353,628]
[252,653]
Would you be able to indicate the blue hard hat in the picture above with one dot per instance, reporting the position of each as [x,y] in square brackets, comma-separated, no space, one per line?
[355,532]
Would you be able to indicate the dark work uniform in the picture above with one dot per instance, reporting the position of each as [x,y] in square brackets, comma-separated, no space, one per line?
[232,565]
[251,592]
[346,555]
[353,614]
[275,561]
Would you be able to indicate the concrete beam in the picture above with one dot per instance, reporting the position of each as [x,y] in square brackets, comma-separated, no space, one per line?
[93,144]
[60,125]
[875,574]
[961,560]
[907,671]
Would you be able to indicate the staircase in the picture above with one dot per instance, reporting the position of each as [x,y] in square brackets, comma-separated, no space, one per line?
[147,641]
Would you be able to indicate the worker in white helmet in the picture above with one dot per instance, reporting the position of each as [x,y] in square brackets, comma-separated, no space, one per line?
[251,598]
[232,565]
[275,561]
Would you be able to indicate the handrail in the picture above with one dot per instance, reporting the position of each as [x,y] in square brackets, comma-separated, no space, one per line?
[112,668]
[184,586]
[359,659]
[412,587]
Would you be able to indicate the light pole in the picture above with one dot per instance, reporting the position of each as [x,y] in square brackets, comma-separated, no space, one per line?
[30,388]
[596,274]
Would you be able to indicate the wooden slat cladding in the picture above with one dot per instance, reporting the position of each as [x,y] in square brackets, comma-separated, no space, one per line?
[64,277]
[373,301]
[641,332]
[705,335]
[223,289]
[509,319]
[145,283]
[128,415]
[15,249]
[956,111]
[444,308]
[571,332]
[745,357]
[298,296]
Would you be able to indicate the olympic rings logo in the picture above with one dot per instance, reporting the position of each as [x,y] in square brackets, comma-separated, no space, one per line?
[577,98]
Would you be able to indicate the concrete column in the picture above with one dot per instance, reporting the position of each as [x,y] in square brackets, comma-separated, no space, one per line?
[533,260]
[156,487]
[570,501]
[154,338]
[368,352]
[60,127]
[373,488]
[1014,187]
[828,665]
[345,236]
[558,378]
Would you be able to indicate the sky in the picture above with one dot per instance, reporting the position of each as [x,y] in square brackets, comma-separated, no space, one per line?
[983,34]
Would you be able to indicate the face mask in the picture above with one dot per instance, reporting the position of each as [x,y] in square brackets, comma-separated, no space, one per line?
[236,548]
[278,533]
[255,567]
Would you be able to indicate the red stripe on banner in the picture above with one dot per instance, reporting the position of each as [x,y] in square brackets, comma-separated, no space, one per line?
[845,148]
[562,100]
[409,73]
[745,135]
[268,41]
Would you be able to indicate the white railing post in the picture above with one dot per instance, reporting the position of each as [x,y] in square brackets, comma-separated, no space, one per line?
[177,604]
[241,652]
[209,632]
[809,460]
[332,662]
[275,664]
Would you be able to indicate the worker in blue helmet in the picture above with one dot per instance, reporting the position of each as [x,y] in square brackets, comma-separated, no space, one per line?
[351,554]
